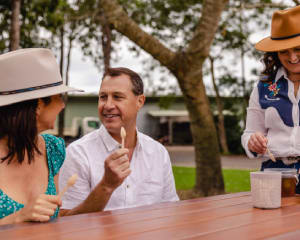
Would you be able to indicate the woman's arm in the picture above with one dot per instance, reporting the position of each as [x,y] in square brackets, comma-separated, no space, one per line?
[12,218]
[255,127]
[39,209]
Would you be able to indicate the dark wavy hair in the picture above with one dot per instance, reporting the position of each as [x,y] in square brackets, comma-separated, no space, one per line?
[18,125]
[272,64]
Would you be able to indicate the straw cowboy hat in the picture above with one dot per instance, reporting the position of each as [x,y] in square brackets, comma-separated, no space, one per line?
[29,74]
[285,31]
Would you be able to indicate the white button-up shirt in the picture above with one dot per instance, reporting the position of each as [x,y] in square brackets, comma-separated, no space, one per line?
[151,179]
[274,111]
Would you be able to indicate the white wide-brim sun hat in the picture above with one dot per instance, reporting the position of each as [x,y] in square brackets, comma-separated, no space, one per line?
[30,73]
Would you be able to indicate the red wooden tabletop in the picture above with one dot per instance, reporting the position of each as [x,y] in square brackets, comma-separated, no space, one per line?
[229,216]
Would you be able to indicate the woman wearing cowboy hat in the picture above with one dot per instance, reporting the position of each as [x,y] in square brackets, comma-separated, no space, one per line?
[30,88]
[273,115]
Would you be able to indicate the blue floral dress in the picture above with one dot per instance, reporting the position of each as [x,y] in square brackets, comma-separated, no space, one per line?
[55,148]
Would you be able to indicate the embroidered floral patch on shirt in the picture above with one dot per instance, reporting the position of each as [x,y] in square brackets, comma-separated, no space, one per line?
[273,88]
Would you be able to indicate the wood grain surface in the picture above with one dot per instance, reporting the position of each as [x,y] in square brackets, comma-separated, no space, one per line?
[229,216]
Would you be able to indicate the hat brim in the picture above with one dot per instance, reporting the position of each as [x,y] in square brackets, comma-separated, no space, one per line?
[269,45]
[40,93]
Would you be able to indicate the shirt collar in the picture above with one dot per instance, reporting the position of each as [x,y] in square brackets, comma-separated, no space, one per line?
[111,144]
[281,72]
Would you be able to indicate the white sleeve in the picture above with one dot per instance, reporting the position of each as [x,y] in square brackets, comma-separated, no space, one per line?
[169,190]
[76,162]
[255,121]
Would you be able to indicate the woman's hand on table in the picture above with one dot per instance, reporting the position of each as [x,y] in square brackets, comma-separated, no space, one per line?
[257,143]
[39,209]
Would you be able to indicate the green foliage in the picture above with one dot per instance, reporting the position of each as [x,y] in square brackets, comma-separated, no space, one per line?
[236,180]
[165,102]
[241,20]
[38,19]
[232,122]
[233,134]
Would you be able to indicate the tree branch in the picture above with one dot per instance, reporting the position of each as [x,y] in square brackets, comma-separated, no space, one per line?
[126,26]
[15,25]
[260,5]
[203,37]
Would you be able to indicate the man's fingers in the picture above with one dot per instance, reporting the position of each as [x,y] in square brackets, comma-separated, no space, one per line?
[117,162]
[126,173]
[124,166]
[122,160]
[120,168]
[118,153]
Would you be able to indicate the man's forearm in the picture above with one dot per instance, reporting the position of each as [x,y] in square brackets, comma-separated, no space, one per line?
[95,202]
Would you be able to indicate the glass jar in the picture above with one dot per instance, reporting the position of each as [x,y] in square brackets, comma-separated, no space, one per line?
[289,180]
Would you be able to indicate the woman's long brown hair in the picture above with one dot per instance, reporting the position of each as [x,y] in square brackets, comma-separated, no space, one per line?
[19,126]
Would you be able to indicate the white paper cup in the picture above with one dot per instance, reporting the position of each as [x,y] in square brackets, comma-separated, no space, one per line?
[266,189]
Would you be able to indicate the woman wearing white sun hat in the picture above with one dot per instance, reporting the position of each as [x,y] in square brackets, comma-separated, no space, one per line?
[30,100]
[273,115]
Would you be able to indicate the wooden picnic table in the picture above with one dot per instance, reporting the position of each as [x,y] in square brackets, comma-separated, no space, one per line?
[229,216]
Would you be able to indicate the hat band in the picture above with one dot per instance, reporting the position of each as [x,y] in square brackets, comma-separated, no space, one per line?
[31,89]
[287,37]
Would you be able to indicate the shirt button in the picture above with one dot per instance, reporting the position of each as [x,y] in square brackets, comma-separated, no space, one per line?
[127,185]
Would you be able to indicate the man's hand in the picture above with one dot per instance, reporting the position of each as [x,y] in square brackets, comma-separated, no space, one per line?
[257,143]
[117,168]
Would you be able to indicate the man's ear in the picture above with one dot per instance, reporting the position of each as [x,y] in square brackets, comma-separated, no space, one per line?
[141,101]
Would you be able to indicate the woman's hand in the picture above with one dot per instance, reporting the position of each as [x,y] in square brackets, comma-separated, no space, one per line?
[39,209]
[257,143]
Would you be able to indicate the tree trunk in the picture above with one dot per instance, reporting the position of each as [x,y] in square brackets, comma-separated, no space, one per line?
[61,118]
[245,98]
[15,25]
[221,126]
[187,68]
[71,38]
[106,42]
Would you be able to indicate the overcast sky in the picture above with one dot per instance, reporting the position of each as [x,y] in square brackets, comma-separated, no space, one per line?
[84,74]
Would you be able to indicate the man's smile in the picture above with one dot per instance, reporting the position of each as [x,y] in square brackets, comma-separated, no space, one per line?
[110,116]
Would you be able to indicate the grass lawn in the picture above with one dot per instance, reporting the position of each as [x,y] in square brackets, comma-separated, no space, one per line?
[235,180]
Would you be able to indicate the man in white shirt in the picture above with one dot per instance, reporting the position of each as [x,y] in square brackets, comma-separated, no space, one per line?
[110,177]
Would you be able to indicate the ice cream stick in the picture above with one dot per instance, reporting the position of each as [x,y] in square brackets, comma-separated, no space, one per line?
[271,155]
[123,136]
[70,183]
